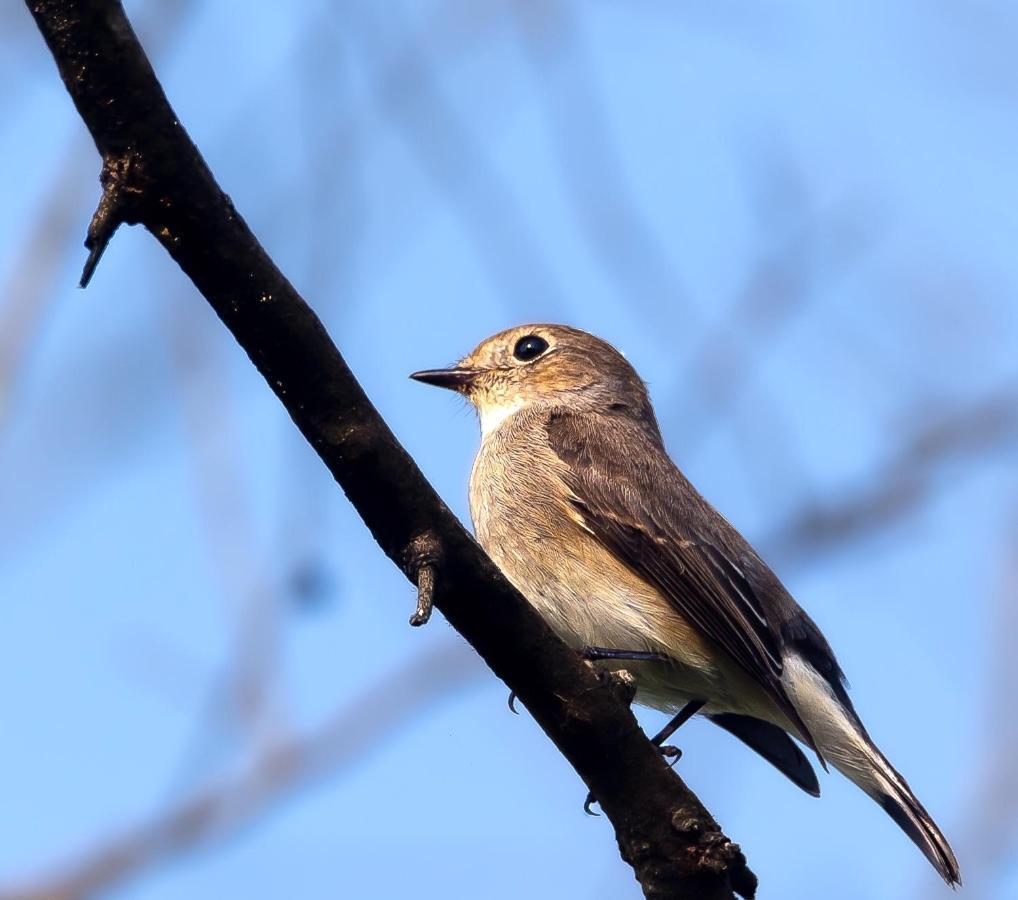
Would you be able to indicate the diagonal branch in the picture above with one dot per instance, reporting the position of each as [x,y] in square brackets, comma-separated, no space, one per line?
[663,830]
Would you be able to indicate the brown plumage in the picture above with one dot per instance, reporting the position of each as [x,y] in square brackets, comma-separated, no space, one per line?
[574,497]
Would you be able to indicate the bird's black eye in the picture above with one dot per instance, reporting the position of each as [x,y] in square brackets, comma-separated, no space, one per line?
[529,347]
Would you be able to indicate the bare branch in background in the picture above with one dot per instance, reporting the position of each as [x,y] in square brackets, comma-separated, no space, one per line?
[409,93]
[254,607]
[279,770]
[27,290]
[776,292]
[619,235]
[905,480]
[664,832]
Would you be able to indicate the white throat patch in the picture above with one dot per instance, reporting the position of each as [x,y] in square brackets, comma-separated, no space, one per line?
[493,416]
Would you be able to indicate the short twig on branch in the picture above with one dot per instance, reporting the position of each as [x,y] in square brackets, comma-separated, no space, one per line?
[422,565]
[425,595]
[664,832]
[121,185]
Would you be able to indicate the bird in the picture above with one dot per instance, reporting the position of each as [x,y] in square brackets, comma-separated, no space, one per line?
[574,497]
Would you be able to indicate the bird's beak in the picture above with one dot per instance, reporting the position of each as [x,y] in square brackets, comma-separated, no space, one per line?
[455,379]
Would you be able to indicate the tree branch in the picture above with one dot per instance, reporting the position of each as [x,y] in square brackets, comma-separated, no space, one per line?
[162,182]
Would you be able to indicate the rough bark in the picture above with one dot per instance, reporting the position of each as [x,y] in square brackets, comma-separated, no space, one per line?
[152,174]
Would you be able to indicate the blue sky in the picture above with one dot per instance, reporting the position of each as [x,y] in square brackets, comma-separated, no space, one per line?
[797,220]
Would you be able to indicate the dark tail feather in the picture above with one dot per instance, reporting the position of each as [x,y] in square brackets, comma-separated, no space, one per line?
[774,745]
[846,745]
[904,807]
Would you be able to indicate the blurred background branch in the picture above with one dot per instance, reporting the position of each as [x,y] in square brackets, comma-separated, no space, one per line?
[936,453]
[216,811]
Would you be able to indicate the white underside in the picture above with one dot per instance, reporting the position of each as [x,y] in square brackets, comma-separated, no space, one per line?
[831,726]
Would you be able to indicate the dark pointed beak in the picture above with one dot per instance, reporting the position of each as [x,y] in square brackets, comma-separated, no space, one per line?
[454,379]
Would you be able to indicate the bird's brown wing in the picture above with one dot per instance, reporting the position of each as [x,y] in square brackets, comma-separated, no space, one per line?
[634,500]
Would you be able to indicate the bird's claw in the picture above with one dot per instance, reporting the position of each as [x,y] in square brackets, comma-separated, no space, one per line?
[512,703]
[588,803]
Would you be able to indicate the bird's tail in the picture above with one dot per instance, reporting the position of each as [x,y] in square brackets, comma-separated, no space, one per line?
[891,791]
[843,741]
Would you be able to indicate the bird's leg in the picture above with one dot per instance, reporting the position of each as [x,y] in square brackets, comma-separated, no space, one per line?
[596,654]
[684,715]
[599,654]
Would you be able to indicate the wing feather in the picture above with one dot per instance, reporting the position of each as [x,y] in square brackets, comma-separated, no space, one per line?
[630,496]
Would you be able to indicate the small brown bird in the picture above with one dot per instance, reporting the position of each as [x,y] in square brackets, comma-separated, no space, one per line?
[574,497]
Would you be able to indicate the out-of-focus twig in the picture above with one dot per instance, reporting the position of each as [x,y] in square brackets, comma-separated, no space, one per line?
[621,238]
[776,291]
[409,93]
[244,571]
[278,770]
[24,294]
[905,479]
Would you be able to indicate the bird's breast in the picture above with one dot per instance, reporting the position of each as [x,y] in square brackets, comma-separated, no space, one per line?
[523,519]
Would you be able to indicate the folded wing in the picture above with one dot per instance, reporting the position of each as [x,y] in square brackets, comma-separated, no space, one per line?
[633,499]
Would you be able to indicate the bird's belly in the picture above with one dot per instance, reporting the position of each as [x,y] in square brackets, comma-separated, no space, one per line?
[590,599]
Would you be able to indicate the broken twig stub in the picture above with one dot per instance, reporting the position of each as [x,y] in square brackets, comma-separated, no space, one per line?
[423,559]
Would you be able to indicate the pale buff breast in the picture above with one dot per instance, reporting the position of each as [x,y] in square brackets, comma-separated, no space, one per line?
[524,522]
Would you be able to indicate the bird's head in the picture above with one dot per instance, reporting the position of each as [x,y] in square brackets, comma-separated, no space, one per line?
[547,365]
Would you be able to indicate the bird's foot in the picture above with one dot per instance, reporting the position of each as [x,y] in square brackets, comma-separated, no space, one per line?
[671,752]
